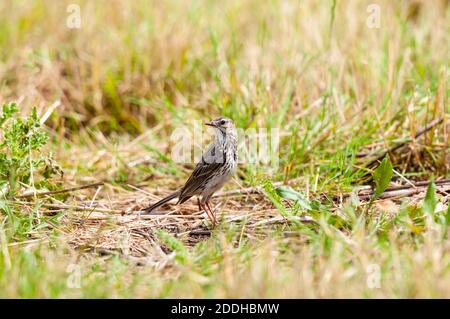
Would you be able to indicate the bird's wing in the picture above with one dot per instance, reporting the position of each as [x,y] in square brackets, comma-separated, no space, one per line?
[202,171]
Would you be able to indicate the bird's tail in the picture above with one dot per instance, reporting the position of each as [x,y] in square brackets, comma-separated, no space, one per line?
[160,203]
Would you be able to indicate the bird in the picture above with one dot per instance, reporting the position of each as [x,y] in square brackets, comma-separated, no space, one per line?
[216,166]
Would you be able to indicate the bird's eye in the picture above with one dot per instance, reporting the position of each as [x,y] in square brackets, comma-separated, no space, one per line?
[222,122]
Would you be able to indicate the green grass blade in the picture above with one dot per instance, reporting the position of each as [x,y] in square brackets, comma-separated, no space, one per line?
[382,176]
[430,200]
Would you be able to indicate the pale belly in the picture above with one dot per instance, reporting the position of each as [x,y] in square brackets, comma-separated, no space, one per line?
[214,185]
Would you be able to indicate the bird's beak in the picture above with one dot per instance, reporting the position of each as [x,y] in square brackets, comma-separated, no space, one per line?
[211,124]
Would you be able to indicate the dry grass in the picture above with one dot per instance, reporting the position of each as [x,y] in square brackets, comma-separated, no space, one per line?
[108,219]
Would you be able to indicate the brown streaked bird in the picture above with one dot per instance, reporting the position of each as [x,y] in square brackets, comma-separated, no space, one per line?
[214,169]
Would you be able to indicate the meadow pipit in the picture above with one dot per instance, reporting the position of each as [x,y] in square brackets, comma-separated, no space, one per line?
[214,169]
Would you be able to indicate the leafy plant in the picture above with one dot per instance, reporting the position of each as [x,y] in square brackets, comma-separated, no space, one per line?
[382,177]
[447,215]
[21,141]
[181,253]
[289,193]
[275,198]
[430,201]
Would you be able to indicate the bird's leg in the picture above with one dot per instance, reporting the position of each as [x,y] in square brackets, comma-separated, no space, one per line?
[212,212]
[202,207]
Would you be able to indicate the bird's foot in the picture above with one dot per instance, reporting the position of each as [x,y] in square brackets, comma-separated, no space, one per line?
[208,212]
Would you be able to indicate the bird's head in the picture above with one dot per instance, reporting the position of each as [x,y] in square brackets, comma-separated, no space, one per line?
[223,124]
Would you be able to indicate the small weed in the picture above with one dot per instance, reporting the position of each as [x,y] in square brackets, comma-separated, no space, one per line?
[21,159]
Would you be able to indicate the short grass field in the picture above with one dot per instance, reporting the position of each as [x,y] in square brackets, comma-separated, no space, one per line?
[353,200]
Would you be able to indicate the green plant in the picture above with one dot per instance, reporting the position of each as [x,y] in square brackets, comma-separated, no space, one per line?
[430,201]
[382,177]
[21,156]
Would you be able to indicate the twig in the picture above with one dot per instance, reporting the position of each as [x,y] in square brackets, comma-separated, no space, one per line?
[67,190]
[200,232]
[419,184]
[405,190]
[83,208]
[49,112]
[95,195]
[422,131]
[27,242]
